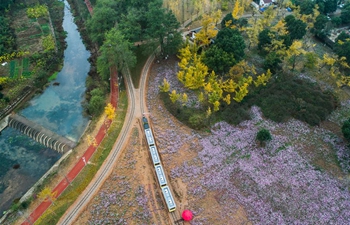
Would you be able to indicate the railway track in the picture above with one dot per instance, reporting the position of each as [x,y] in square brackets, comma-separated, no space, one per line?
[144,76]
[175,219]
[107,167]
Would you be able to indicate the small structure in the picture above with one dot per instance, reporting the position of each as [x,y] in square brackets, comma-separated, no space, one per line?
[187,215]
[265,3]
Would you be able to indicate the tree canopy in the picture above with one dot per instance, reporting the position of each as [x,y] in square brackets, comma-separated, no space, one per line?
[115,51]
[5,4]
[342,46]
[345,14]
[103,20]
[7,37]
[327,6]
[346,129]
[231,41]
[319,26]
[162,26]
[296,28]
[218,59]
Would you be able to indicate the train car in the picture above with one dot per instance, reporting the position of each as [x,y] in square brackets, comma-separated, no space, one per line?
[161,175]
[149,136]
[145,123]
[169,199]
[144,120]
[155,156]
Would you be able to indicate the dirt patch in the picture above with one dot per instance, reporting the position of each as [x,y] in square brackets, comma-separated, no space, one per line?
[28,31]
[131,194]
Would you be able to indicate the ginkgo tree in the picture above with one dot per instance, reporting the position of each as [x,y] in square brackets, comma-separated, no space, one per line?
[335,64]
[207,32]
[211,88]
[110,111]
[48,195]
[294,51]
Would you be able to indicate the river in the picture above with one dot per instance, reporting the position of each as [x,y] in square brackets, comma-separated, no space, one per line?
[58,108]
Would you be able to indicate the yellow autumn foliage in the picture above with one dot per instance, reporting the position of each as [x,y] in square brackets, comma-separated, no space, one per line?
[110,111]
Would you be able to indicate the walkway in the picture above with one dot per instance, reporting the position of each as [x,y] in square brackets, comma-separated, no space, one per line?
[89,6]
[83,160]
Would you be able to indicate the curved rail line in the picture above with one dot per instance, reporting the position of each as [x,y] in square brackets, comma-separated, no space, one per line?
[144,77]
[107,167]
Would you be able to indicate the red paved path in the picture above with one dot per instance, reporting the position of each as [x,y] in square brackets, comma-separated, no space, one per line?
[87,155]
[89,6]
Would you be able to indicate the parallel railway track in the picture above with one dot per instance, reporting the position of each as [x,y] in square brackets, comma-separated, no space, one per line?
[107,167]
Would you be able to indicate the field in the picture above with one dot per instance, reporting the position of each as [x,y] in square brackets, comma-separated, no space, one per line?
[29,31]
[224,175]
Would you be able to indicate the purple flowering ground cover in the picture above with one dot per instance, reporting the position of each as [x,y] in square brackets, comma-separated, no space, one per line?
[125,197]
[299,177]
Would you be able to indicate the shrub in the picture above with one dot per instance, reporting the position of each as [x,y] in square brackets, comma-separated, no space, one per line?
[96,105]
[235,113]
[263,135]
[346,129]
[197,121]
[291,97]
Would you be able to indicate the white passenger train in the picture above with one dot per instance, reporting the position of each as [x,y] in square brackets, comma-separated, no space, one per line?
[158,167]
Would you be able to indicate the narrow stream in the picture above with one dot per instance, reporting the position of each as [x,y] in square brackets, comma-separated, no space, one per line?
[59,109]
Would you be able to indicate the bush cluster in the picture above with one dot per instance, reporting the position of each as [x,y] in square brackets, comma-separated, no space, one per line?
[291,97]
[281,99]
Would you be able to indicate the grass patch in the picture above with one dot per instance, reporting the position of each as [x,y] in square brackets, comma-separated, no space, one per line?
[12,68]
[45,28]
[137,69]
[53,76]
[34,36]
[67,198]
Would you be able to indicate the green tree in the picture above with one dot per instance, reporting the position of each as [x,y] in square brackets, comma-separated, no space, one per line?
[296,28]
[103,19]
[162,26]
[241,22]
[115,51]
[311,60]
[264,39]
[7,36]
[345,14]
[336,21]
[319,26]
[218,60]
[263,135]
[327,6]
[306,6]
[5,4]
[96,105]
[342,46]
[272,62]
[231,41]
[129,25]
[346,129]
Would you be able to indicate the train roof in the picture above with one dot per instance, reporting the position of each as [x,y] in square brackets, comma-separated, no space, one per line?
[144,120]
[168,198]
[154,154]
[149,136]
[161,175]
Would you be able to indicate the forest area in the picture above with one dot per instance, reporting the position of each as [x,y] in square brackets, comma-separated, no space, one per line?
[263,95]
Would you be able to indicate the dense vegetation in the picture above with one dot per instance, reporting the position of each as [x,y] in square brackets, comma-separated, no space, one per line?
[114,27]
[31,55]
[226,84]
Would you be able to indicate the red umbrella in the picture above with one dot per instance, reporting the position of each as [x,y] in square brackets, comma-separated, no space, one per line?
[187,215]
